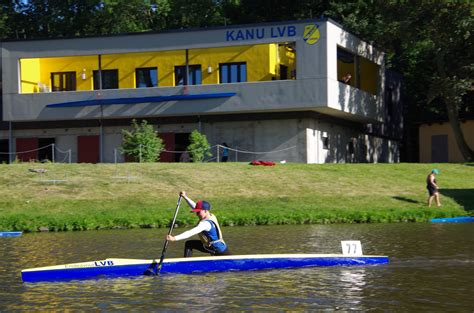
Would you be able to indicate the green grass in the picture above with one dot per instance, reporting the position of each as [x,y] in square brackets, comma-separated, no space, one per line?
[145,195]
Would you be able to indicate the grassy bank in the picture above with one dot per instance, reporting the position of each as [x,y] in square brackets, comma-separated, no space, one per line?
[101,196]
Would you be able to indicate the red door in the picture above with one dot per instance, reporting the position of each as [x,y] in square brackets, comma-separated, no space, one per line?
[27,149]
[168,140]
[88,150]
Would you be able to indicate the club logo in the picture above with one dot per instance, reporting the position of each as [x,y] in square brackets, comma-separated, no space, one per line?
[311,34]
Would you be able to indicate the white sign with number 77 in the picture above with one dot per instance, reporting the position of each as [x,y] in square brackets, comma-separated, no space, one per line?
[351,247]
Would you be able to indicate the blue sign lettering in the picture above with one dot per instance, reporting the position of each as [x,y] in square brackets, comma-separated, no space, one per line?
[230,35]
[291,31]
[259,33]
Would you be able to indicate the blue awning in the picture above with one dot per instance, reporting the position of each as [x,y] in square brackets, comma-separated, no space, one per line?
[135,100]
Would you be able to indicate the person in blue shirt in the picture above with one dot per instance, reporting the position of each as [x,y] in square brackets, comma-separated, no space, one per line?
[225,152]
[208,230]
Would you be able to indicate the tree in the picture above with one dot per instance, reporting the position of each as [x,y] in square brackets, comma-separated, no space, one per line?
[431,45]
[452,61]
[142,143]
[199,146]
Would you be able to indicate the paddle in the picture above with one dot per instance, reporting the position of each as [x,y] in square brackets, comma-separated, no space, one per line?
[155,269]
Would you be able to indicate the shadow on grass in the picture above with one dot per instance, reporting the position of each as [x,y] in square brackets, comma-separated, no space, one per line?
[464,197]
[406,199]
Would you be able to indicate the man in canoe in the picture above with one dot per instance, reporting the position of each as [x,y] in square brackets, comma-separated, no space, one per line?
[208,229]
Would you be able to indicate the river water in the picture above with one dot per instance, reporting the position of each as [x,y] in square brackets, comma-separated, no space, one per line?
[431,268]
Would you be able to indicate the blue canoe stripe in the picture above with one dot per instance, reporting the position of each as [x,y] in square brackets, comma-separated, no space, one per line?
[459,219]
[135,100]
[10,233]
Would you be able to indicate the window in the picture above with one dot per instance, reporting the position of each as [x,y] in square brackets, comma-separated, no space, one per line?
[346,67]
[63,81]
[109,79]
[233,72]
[194,77]
[357,71]
[146,77]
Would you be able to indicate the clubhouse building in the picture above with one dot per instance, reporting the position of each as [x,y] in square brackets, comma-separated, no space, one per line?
[300,91]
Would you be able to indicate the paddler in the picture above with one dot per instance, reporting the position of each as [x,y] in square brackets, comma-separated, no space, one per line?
[208,229]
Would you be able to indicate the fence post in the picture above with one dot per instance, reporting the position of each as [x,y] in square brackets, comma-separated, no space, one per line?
[217,146]
[53,150]
[70,157]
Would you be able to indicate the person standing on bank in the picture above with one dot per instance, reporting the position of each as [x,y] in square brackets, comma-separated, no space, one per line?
[433,188]
[225,152]
[208,229]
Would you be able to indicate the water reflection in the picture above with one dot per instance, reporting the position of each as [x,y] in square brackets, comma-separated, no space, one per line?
[430,267]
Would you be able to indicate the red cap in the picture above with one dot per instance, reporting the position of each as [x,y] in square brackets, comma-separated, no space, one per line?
[201,205]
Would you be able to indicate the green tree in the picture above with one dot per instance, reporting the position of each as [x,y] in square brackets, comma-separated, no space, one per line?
[430,44]
[142,142]
[126,16]
[199,146]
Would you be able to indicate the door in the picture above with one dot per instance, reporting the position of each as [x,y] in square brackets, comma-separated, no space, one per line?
[45,152]
[182,142]
[27,149]
[88,150]
[4,156]
[439,148]
[168,140]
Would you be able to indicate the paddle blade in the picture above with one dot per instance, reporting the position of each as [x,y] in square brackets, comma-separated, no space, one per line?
[152,269]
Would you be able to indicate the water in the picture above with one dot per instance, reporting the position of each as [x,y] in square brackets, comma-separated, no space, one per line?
[431,268]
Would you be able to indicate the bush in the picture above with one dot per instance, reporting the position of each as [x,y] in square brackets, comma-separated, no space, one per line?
[142,143]
[199,147]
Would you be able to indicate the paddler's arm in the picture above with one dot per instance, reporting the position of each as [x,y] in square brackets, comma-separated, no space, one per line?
[190,202]
[202,226]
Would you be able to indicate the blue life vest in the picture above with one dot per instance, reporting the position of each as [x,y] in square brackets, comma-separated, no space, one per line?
[213,238]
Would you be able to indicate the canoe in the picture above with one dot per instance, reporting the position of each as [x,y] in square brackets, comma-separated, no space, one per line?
[110,268]
[10,233]
[459,219]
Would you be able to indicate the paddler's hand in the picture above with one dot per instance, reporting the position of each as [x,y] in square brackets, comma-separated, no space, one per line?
[182,193]
[170,238]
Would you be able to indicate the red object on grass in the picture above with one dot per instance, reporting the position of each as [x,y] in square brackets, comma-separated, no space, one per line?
[264,163]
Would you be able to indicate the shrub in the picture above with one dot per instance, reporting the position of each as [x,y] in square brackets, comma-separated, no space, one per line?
[199,147]
[142,142]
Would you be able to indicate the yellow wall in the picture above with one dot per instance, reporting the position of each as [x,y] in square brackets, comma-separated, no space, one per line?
[69,64]
[30,75]
[288,58]
[426,131]
[261,65]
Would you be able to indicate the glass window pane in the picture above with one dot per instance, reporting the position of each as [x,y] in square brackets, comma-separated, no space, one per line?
[146,77]
[63,81]
[179,75]
[197,75]
[224,73]
[243,72]
[154,77]
[234,72]
[109,79]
